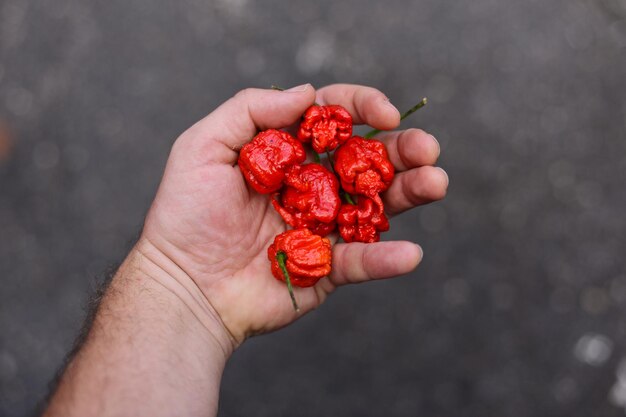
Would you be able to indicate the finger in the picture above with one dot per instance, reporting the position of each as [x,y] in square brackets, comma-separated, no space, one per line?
[415,187]
[411,148]
[367,105]
[235,122]
[359,262]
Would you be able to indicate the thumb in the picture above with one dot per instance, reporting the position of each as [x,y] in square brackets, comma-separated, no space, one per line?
[235,122]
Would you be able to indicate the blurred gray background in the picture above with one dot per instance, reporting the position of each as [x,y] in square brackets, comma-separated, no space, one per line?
[518,308]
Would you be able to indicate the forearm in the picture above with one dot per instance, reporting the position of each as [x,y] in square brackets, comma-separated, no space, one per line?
[156,348]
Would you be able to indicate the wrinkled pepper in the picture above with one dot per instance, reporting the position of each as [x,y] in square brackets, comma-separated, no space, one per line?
[326,127]
[362,222]
[363,166]
[301,258]
[310,199]
[264,160]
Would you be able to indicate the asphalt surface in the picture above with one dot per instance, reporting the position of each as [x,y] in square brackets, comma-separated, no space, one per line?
[518,308]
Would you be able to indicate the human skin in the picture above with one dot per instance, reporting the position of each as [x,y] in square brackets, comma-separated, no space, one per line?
[198,281]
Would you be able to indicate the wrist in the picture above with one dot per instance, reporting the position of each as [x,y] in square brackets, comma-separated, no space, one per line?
[175,284]
[153,333]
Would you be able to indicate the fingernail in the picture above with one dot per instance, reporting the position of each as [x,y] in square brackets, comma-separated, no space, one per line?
[437,142]
[421,251]
[388,103]
[299,88]
[446,174]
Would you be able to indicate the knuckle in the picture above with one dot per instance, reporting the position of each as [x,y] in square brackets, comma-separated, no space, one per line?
[179,144]
[369,262]
[244,94]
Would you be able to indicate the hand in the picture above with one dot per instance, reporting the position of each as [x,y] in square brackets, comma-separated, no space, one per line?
[209,223]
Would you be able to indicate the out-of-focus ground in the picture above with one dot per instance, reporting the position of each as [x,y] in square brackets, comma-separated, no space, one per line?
[519,307]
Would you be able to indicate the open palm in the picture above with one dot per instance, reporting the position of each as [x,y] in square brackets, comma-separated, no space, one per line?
[217,230]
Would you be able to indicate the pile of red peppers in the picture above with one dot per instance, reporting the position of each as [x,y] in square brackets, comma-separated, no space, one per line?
[313,199]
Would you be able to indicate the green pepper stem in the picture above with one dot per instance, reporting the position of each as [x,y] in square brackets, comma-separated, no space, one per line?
[281,257]
[406,114]
[349,198]
[414,108]
[330,161]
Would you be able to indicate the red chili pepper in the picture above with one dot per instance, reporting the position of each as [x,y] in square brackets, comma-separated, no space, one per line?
[362,222]
[326,127]
[310,199]
[300,258]
[264,160]
[363,166]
